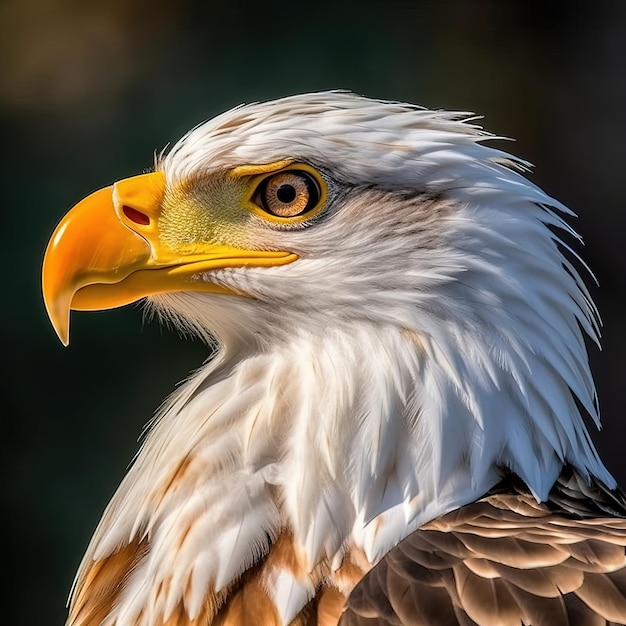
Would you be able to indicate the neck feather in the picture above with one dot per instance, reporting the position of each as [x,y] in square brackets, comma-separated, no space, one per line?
[348,440]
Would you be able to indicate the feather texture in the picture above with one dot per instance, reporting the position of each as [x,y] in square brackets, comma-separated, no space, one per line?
[428,340]
[505,560]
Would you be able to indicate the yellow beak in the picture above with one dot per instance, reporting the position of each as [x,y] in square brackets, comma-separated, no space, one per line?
[106,253]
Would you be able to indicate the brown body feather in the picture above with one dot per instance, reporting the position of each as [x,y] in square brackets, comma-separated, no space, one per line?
[246,602]
[506,560]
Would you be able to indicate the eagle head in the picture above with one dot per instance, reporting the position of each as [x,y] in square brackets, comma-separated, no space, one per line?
[400,321]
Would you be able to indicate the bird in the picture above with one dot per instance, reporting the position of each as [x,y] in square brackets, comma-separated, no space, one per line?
[391,428]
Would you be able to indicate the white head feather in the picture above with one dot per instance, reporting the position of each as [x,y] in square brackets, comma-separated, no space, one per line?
[429,335]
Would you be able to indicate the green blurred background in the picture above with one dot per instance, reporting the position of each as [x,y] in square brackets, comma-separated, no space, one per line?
[88,91]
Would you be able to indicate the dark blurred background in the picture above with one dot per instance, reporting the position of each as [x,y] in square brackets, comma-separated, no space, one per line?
[88,91]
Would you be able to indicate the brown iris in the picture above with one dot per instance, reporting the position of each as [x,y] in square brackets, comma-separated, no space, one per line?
[288,194]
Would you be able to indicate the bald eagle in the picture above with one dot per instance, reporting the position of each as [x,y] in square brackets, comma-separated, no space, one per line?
[391,431]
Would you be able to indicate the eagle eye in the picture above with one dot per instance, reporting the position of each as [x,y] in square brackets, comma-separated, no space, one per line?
[290,193]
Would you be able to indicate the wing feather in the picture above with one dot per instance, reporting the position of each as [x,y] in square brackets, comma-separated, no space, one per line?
[504,561]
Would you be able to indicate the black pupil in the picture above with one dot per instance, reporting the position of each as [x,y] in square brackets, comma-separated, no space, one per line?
[286,193]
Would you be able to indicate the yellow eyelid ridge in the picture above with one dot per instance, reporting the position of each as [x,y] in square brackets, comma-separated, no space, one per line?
[265,168]
[260,172]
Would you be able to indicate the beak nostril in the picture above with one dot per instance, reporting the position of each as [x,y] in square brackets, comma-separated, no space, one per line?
[136,216]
